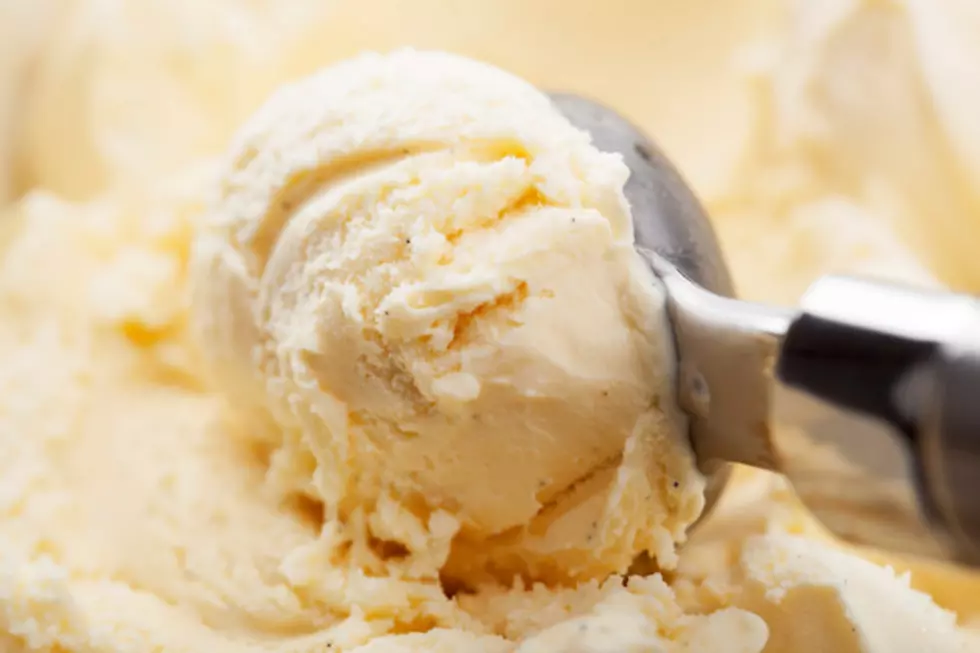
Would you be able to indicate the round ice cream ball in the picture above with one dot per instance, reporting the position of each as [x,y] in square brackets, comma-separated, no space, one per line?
[426,276]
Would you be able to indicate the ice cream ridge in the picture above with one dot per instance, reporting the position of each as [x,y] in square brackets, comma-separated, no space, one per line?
[401,384]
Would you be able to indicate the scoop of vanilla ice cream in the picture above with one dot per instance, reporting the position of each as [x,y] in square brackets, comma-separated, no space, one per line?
[425,276]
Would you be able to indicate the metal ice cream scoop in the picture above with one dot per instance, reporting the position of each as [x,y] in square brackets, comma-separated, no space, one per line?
[867,397]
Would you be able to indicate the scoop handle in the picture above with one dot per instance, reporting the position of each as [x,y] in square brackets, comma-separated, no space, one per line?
[950,442]
[906,358]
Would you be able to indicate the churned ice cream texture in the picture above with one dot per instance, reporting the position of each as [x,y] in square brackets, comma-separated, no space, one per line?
[145,508]
[425,275]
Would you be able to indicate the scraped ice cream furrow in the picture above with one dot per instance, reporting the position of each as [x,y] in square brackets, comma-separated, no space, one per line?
[426,277]
[850,604]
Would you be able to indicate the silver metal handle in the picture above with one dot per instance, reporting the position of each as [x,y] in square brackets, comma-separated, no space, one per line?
[950,440]
[901,368]
[863,397]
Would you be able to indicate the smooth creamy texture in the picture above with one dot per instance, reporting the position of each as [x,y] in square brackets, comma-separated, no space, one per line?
[427,276]
[765,553]
[150,85]
[781,570]
[862,158]
[99,552]
[851,605]
[22,27]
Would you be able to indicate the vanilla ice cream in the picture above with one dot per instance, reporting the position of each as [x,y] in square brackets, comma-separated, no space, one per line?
[425,272]
[147,512]
[165,491]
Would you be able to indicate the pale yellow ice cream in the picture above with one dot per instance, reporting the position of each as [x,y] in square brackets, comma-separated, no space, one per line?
[862,159]
[427,276]
[22,29]
[144,509]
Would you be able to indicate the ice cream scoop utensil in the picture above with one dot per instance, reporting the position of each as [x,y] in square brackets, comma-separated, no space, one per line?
[867,396]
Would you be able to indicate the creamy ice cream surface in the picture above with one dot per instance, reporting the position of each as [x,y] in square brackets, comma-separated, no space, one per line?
[427,275]
[385,376]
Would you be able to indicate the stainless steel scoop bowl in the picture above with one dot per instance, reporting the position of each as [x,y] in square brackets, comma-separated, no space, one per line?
[867,397]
